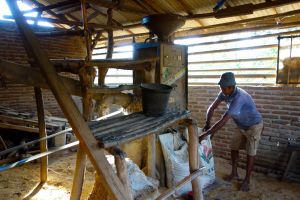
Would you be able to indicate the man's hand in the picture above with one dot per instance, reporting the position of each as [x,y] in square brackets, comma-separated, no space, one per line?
[203,136]
[206,127]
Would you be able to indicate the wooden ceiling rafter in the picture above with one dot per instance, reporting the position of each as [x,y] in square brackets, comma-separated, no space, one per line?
[51,6]
[69,9]
[67,22]
[53,14]
[187,10]
[229,10]
[119,5]
[143,6]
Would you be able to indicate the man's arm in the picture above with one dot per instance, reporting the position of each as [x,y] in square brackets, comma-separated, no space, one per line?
[210,112]
[219,124]
[215,127]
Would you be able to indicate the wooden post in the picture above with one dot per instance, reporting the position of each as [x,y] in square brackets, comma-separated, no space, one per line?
[151,155]
[122,171]
[43,133]
[86,80]
[110,47]
[194,158]
[77,122]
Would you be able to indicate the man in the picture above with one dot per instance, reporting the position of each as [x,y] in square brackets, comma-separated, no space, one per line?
[242,109]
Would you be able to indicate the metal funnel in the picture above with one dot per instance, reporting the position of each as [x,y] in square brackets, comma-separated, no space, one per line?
[163,25]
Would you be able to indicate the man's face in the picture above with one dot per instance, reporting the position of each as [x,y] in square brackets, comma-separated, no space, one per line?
[227,90]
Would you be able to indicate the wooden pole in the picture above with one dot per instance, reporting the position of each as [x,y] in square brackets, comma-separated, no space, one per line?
[180,184]
[86,81]
[43,133]
[194,158]
[151,155]
[122,171]
[110,47]
[77,122]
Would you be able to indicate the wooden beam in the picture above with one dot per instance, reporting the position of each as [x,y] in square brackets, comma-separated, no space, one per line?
[20,128]
[93,15]
[243,9]
[25,122]
[151,155]
[117,6]
[37,156]
[122,171]
[194,161]
[86,81]
[74,65]
[50,7]
[247,38]
[60,33]
[95,41]
[237,76]
[61,21]
[245,21]
[180,184]
[77,122]
[99,11]
[110,90]
[229,61]
[233,69]
[255,7]
[142,5]
[43,133]
[72,8]
[33,77]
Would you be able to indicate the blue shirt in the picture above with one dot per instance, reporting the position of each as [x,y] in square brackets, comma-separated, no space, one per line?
[241,108]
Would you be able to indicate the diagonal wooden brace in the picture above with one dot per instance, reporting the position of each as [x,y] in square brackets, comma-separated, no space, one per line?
[80,127]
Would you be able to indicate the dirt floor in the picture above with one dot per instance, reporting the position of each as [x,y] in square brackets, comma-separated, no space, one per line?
[19,182]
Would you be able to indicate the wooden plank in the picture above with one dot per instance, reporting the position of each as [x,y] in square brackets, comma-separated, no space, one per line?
[98,131]
[180,184]
[234,69]
[33,142]
[118,138]
[191,84]
[86,81]
[19,128]
[68,22]
[79,173]
[127,127]
[122,172]
[37,156]
[115,5]
[151,155]
[236,75]
[25,122]
[190,33]
[229,40]
[110,90]
[235,60]
[49,7]
[59,33]
[107,63]
[80,127]
[234,49]
[241,49]
[105,123]
[194,161]
[43,133]
[33,77]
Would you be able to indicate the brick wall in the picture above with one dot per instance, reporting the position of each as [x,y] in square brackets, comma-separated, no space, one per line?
[280,107]
[21,97]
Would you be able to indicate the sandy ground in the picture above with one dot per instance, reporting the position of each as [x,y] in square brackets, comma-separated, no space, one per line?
[18,183]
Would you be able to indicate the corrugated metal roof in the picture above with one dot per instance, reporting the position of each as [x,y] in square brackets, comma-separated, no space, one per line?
[183,7]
